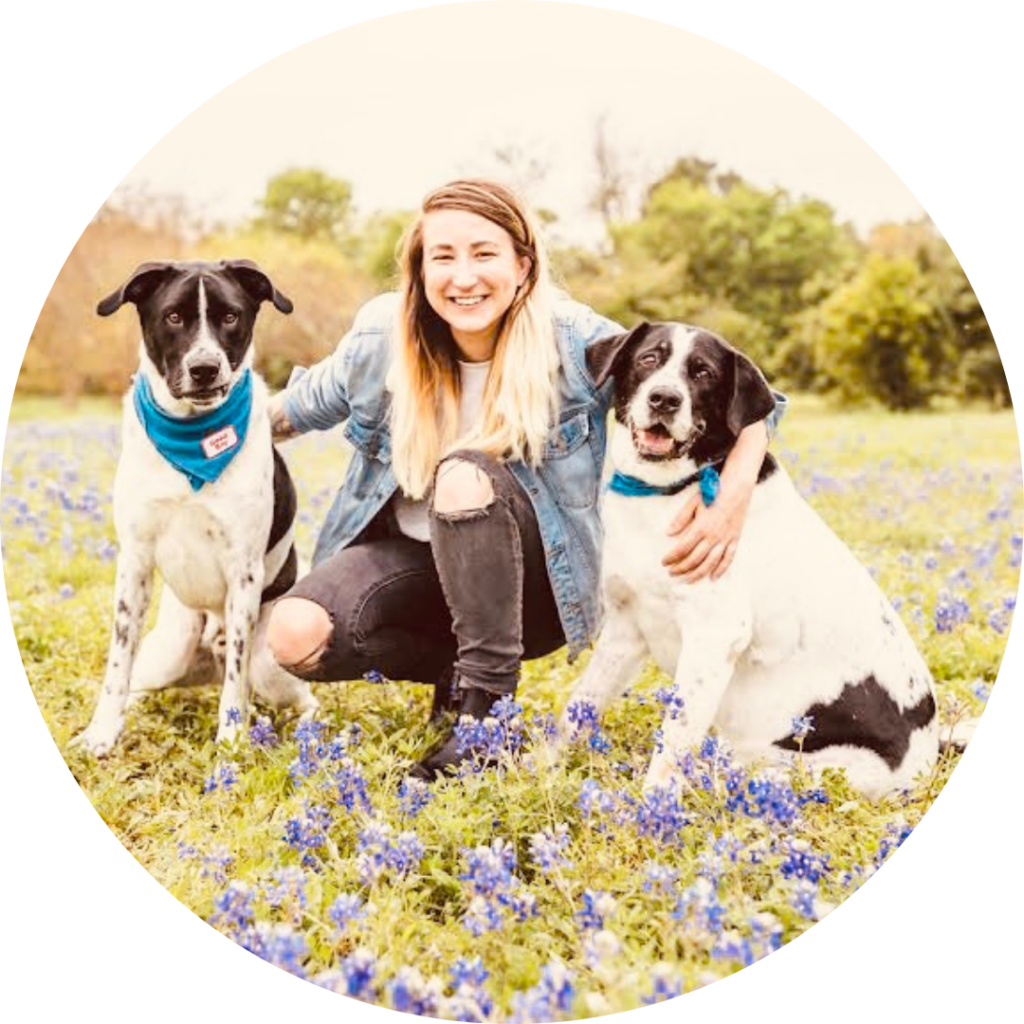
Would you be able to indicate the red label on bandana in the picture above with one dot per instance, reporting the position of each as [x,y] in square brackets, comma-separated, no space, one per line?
[221,441]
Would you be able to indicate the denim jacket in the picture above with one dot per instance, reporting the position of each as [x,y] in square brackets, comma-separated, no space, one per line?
[348,386]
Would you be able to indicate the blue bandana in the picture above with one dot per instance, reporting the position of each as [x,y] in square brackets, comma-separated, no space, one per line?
[706,476]
[203,446]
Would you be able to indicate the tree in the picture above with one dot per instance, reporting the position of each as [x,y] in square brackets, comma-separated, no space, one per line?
[883,335]
[307,203]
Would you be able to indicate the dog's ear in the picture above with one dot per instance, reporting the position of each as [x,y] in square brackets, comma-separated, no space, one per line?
[604,354]
[137,288]
[259,287]
[752,399]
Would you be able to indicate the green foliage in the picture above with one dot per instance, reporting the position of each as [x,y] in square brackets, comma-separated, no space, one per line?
[882,335]
[307,203]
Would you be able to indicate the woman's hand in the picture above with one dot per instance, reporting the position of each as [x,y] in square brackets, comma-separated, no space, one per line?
[281,428]
[706,536]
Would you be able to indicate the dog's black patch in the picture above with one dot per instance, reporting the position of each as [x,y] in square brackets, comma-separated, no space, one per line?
[285,501]
[768,469]
[285,579]
[864,715]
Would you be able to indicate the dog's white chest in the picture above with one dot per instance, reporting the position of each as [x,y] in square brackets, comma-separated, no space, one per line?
[188,541]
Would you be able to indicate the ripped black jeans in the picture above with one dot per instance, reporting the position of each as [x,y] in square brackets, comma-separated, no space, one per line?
[477,597]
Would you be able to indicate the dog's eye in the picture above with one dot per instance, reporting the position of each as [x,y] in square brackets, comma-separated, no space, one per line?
[648,359]
[700,372]
[230,318]
[172,316]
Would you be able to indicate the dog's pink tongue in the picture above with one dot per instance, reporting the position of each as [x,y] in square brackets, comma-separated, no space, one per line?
[656,443]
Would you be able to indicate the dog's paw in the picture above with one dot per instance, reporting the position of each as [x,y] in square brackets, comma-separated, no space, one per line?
[98,739]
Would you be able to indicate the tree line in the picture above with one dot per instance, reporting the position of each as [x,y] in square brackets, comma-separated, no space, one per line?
[890,318]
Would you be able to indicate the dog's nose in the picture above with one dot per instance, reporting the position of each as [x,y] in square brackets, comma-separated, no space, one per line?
[665,400]
[203,374]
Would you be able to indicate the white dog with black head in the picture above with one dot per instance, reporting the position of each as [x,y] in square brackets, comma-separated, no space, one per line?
[200,495]
[794,630]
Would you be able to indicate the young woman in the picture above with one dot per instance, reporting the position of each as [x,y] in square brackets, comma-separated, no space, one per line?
[465,537]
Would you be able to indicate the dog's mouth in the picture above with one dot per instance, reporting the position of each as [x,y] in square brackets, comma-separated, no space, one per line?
[656,442]
[207,398]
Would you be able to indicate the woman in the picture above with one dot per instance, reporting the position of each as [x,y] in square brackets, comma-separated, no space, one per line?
[465,537]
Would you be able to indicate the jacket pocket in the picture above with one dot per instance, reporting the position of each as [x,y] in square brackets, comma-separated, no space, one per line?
[372,441]
[569,467]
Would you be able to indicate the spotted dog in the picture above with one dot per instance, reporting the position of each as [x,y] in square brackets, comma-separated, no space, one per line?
[794,629]
[200,495]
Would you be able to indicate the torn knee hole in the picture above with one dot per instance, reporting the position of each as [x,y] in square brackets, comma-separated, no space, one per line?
[462,490]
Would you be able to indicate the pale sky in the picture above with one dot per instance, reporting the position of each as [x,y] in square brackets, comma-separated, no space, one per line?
[374,105]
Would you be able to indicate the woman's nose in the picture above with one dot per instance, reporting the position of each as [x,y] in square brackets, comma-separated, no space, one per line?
[464,273]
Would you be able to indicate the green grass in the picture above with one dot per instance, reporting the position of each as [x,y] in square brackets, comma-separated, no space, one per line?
[931,503]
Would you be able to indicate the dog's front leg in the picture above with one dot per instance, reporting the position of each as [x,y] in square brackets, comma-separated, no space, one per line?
[617,658]
[714,635]
[132,592]
[240,614]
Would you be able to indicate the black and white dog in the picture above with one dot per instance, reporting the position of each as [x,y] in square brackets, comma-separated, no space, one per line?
[201,495]
[794,629]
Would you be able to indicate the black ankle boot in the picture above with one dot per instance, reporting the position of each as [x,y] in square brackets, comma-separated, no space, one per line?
[445,698]
[469,700]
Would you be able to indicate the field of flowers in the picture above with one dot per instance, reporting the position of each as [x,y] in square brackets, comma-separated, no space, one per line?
[519,894]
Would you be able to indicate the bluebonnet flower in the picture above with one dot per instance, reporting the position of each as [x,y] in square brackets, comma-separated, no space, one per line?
[950,612]
[665,984]
[234,716]
[261,733]
[355,975]
[224,777]
[668,697]
[233,908]
[470,1001]
[413,796]
[308,832]
[489,868]
[309,737]
[186,851]
[287,886]
[600,948]
[802,862]
[699,908]
[410,992]
[482,915]
[593,801]
[548,999]
[547,848]
[896,833]
[216,864]
[373,676]
[346,910]
[379,851]
[502,732]
[66,591]
[351,785]
[771,800]
[660,814]
[802,726]
[765,937]
[277,944]
[1016,547]
[585,722]
[803,898]
[597,908]
[493,888]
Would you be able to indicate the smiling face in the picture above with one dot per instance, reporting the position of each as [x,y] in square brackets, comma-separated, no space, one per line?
[471,273]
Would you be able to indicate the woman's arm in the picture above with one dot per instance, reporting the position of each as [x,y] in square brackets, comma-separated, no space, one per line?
[706,536]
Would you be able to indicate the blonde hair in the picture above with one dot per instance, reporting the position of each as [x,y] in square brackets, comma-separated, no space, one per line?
[520,399]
